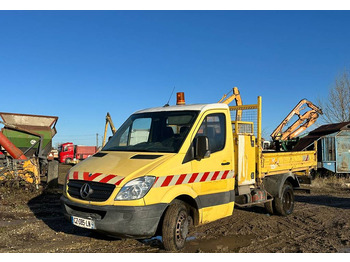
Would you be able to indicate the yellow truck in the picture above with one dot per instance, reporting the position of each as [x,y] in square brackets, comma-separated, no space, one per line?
[171,167]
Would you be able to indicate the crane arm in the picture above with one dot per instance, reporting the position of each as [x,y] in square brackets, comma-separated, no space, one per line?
[304,121]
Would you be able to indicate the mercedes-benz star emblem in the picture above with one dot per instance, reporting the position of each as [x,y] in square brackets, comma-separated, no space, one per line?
[85,191]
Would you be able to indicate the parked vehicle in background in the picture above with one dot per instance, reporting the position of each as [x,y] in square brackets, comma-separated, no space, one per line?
[53,154]
[70,153]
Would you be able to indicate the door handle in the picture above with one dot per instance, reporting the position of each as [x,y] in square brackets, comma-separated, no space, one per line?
[225,163]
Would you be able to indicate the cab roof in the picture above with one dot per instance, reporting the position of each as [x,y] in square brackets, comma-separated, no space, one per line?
[194,107]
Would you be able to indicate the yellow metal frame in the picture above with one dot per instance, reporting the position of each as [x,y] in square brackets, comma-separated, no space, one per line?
[258,151]
[236,123]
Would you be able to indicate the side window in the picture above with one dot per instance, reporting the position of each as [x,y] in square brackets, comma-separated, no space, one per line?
[214,127]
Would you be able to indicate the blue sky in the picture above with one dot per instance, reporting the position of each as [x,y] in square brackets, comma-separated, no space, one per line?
[79,65]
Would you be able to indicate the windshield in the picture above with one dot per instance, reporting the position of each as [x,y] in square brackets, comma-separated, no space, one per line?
[153,132]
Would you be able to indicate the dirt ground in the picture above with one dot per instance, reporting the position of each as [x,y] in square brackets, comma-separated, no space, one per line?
[32,222]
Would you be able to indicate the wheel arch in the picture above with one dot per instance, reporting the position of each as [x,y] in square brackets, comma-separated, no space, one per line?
[274,184]
[191,204]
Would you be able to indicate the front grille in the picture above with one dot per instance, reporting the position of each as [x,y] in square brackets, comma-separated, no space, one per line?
[100,191]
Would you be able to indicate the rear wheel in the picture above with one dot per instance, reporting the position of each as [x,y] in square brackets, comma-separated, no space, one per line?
[284,204]
[175,226]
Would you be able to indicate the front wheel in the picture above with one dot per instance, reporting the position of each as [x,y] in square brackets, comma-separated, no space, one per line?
[284,204]
[175,226]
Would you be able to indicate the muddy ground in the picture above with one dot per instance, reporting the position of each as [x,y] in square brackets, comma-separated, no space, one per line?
[31,221]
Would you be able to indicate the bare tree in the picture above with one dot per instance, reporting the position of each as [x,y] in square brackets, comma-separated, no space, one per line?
[337,106]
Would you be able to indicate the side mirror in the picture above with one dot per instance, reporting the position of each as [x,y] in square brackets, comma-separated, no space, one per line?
[109,138]
[202,147]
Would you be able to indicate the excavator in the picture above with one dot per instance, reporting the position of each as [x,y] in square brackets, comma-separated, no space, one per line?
[287,139]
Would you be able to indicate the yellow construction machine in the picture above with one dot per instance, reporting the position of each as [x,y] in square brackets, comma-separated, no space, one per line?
[25,143]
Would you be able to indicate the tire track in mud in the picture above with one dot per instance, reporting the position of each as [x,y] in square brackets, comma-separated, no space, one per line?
[320,223]
[311,228]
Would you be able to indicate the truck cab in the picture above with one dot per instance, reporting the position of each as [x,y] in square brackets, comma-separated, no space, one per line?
[66,152]
[70,153]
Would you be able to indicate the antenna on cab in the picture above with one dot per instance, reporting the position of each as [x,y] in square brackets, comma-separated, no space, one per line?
[172,92]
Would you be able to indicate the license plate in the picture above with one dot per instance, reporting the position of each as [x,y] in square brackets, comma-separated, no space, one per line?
[82,222]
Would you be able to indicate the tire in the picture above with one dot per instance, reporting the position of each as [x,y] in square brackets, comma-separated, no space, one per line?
[175,226]
[284,204]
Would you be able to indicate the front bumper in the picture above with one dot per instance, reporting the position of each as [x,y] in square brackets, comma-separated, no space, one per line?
[120,221]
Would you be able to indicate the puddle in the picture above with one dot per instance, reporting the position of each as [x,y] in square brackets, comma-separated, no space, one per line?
[224,244]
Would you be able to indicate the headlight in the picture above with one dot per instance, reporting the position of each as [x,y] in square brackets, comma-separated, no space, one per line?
[136,189]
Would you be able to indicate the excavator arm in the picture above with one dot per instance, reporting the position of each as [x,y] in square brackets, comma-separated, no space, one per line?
[235,96]
[227,99]
[110,122]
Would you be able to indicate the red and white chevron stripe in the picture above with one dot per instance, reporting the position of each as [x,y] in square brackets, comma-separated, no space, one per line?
[160,181]
[96,177]
[192,178]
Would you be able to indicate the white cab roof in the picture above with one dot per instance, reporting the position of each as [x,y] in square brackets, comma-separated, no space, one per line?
[195,107]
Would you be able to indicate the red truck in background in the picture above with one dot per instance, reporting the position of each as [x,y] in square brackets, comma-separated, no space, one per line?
[70,153]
